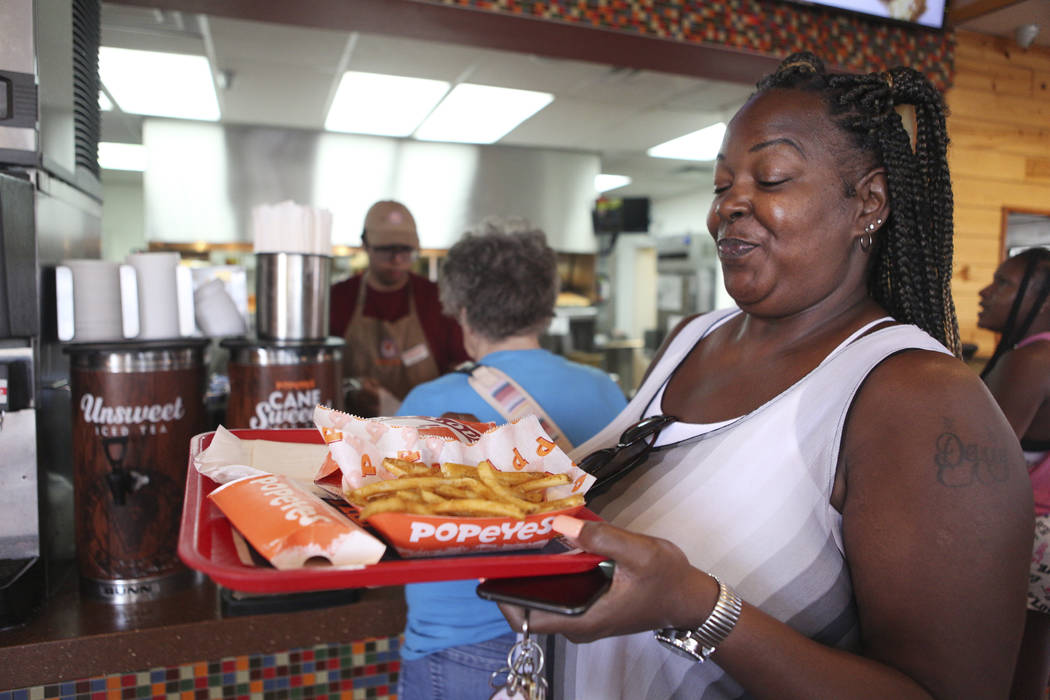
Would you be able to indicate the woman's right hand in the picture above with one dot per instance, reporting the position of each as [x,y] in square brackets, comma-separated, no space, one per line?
[653,586]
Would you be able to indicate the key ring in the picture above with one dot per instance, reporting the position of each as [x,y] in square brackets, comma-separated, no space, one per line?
[524,670]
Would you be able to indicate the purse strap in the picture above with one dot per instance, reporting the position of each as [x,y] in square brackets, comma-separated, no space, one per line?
[510,399]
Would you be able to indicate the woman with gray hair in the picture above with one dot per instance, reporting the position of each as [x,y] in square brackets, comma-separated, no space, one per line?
[500,282]
[503,280]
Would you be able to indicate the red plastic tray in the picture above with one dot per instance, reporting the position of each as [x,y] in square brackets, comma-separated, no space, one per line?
[206,544]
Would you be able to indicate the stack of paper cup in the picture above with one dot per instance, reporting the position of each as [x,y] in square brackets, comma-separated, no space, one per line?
[96,290]
[158,294]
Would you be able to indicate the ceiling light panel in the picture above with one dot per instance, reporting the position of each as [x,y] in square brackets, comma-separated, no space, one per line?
[384,105]
[480,113]
[604,182]
[159,84]
[698,145]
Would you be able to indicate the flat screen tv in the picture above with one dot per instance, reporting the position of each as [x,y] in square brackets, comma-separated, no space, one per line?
[626,215]
[926,13]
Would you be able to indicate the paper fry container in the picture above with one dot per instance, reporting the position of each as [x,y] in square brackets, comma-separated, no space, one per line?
[416,536]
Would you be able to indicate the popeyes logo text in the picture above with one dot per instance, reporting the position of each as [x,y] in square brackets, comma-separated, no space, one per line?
[289,501]
[506,532]
[290,405]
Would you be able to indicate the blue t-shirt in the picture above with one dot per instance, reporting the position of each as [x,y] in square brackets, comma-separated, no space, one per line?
[581,400]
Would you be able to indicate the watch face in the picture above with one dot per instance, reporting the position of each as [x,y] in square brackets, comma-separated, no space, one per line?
[682,645]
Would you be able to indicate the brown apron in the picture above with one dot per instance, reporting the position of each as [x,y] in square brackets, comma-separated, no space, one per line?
[394,353]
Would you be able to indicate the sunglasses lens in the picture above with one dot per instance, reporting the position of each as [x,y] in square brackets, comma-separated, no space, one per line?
[644,429]
[623,460]
[595,461]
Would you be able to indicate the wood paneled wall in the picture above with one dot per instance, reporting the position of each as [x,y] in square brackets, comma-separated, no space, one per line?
[999,125]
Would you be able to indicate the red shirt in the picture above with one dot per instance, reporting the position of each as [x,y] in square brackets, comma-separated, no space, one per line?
[443,334]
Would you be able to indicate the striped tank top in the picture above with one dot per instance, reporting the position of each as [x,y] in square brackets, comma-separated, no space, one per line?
[747,500]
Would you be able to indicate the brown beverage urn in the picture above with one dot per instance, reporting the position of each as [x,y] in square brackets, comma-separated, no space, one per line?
[136,405]
[276,384]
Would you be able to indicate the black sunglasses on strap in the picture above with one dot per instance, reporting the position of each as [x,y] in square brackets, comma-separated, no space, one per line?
[610,464]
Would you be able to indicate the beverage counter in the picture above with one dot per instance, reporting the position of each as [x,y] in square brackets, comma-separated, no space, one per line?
[76,637]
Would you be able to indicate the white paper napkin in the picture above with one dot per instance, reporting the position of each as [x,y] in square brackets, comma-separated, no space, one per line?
[228,458]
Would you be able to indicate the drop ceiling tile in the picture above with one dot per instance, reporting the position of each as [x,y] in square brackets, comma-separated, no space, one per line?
[163,38]
[639,88]
[647,129]
[711,96]
[420,59]
[569,123]
[265,43]
[148,29]
[529,72]
[276,95]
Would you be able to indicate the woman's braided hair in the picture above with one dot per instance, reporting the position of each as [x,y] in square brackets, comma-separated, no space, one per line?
[912,255]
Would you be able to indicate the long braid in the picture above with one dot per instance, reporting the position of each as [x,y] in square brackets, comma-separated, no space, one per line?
[912,256]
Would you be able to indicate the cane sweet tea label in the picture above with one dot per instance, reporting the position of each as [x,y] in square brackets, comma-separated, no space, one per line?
[290,404]
[266,397]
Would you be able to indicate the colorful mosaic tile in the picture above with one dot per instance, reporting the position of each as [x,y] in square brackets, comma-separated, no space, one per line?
[365,670]
[773,27]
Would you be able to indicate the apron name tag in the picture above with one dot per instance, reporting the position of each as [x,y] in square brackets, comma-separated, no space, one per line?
[415,355]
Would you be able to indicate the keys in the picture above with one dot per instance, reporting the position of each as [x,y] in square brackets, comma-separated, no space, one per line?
[524,670]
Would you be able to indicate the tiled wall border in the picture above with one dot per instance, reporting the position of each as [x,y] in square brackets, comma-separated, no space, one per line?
[353,671]
[771,27]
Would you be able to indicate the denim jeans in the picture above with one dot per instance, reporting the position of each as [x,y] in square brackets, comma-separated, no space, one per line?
[456,673]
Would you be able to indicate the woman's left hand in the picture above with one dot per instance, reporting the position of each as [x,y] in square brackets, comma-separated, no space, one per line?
[653,586]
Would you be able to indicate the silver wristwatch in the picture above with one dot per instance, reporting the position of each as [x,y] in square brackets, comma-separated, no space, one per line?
[700,643]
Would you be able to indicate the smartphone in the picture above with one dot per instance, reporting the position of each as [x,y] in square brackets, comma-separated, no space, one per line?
[565,594]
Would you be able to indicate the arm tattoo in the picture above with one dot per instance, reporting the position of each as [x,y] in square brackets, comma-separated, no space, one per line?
[963,464]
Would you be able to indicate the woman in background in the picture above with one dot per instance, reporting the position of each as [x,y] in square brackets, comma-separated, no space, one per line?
[1018,375]
[500,282]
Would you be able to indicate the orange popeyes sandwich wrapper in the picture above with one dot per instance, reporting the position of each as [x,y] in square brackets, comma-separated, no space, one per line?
[292,527]
[358,446]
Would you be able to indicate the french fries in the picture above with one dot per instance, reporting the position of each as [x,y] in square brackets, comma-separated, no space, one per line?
[459,490]
[402,467]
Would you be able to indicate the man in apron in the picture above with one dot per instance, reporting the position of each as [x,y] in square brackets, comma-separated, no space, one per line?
[396,334]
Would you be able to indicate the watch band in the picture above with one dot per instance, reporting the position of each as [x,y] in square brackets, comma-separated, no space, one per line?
[701,642]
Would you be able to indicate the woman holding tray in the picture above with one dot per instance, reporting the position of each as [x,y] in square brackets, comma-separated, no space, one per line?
[500,282]
[857,492]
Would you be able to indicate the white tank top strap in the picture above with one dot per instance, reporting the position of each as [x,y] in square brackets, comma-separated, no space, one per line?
[680,430]
[862,330]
